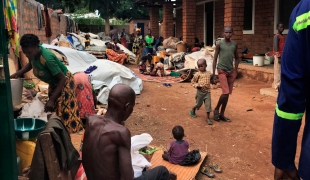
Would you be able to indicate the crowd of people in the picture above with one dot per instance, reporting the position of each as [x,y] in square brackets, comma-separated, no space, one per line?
[106,144]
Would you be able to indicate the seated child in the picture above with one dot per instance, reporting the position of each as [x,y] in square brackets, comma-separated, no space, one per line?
[178,149]
[142,65]
[87,41]
[160,67]
[151,71]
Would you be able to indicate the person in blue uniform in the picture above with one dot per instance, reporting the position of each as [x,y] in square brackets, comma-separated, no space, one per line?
[293,99]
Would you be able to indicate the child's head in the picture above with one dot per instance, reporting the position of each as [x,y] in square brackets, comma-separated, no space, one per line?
[196,40]
[144,58]
[202,65]
[115,40]
[228,32]
[152,66]
[280,27]
[178,133]
[87,36]
[162,60]
[149,56]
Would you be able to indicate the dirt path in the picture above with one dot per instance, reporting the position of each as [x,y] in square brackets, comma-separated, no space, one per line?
[241,148]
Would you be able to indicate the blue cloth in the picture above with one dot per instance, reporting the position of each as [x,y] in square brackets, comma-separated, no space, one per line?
[294,96]
[149,50]
[157,43]
[70,39]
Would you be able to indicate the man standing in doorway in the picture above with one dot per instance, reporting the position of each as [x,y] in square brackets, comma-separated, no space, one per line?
[278,46]
[293,99]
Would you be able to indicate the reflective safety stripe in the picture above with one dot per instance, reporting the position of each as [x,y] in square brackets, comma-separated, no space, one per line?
[288,116]
[302,22]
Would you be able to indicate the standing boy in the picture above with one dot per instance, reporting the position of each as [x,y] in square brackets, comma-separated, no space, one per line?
[278,46]
[227,51]
[201,81]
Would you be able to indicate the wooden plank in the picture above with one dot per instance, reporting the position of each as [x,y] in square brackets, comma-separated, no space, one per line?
[50,156]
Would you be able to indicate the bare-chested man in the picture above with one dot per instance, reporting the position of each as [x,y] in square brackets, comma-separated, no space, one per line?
[106,148]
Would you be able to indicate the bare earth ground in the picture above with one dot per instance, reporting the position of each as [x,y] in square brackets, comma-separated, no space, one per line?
[242,148]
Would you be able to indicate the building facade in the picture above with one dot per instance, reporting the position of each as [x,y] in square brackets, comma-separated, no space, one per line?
[254,21]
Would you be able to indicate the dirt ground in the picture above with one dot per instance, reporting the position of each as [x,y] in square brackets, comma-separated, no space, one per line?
[242,147]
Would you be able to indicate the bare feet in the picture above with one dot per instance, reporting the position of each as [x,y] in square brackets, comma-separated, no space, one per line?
[172,175]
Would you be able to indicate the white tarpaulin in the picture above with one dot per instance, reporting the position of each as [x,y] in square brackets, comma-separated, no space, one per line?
[105,76]
[191,59]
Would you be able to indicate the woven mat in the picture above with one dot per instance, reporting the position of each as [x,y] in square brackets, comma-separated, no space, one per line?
[183,172]
[166,79]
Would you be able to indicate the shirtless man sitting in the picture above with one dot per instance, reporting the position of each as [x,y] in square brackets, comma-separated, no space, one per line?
[107,142]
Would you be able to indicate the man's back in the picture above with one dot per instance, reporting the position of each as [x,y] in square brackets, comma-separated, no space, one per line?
[100,149]
[113,34]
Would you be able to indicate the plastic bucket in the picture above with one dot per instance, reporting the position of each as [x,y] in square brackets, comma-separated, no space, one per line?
[17,91]
[258,59]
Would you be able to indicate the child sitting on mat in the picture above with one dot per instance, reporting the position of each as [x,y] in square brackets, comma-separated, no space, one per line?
[160,67]
[142,65]
[178,149]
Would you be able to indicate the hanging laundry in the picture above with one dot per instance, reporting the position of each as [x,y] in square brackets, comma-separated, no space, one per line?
[68,23]
[10,14]
[48,30]
[40,16]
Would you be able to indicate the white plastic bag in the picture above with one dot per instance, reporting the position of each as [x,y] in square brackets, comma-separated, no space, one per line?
[138,161]
[35,109]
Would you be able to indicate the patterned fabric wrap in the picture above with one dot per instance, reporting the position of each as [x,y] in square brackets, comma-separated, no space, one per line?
[115,57]
[84,94]
[66,106]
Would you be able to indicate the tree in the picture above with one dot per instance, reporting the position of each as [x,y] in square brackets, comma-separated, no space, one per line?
[67,6]
[123,9]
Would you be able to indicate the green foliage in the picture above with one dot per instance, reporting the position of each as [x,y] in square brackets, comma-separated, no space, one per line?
[83,10]
[121,9]
[29,85]
[89,21]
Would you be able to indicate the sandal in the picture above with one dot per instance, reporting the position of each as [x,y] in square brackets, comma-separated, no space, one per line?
[223,118]
[209,121]
[215,167]
[192,114]
[216,115]
[207,172]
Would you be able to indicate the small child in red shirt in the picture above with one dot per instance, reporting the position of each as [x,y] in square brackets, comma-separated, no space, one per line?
[178,149]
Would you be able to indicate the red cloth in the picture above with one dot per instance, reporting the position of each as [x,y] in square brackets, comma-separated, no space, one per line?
[281,43]
[124,41]
[194,49]
[84,94]
[226,80]
[48,30]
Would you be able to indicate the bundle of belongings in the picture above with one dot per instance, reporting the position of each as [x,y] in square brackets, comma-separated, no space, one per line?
[170,45]
[106,75]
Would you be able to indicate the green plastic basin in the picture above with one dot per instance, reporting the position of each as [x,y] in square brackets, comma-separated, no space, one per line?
[28,128]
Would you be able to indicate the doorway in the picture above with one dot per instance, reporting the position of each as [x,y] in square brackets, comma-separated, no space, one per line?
[209,23]
[141,25]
